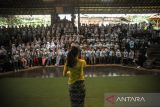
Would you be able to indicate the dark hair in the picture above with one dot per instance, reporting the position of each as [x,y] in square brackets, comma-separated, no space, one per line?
[71,57]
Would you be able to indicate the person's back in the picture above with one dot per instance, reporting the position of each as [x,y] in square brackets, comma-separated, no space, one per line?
[76,73]
[74,69]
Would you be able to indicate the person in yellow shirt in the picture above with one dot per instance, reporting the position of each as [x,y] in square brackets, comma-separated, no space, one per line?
[74,70]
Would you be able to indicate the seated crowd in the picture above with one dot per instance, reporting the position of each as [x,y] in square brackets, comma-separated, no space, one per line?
[110,44]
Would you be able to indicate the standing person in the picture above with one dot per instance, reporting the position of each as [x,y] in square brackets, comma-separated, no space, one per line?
[15,61]
[83,54]
[74,69]
[65,54]
[101,56]
[97,56]
[131,57]
[35,57]
[58,57]
[118,57]
[29,55]
[111,56]
[44,57]
[125,57]
[23,59]
[49,60]
[131,44]
[93,57]
[87,56]
[106,56]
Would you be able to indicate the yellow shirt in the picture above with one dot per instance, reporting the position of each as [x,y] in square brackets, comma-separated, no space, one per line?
[75,73]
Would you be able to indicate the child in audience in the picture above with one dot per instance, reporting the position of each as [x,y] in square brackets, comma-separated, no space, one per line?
[131,57]
[125,57]
[118,57]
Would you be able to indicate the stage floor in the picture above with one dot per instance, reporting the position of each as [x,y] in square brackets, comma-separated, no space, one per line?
[53,92]
[45,87]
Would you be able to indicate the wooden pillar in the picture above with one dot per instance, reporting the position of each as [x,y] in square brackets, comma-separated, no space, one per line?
[79,18]
[54,17]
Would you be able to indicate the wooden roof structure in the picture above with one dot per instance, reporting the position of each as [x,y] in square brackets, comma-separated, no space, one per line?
[75,6]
